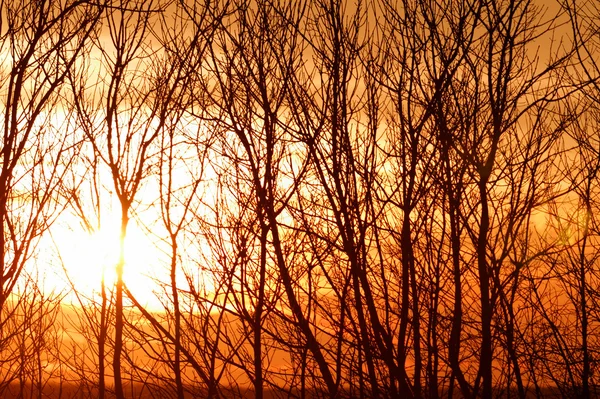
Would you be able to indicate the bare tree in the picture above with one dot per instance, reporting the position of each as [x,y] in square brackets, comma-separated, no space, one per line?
[121,117]
[41,43]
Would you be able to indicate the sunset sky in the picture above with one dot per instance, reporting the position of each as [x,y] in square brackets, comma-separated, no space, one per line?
[300,199]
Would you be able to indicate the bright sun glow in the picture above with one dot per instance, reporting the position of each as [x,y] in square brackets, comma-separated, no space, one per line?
[89,258]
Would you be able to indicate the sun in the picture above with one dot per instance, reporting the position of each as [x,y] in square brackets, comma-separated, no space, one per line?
[89,258]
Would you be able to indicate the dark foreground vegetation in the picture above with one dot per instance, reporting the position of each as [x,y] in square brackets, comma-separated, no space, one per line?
[350,198]
[76,391]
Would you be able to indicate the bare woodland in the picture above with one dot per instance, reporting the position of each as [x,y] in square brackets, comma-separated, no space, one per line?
[366,199]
